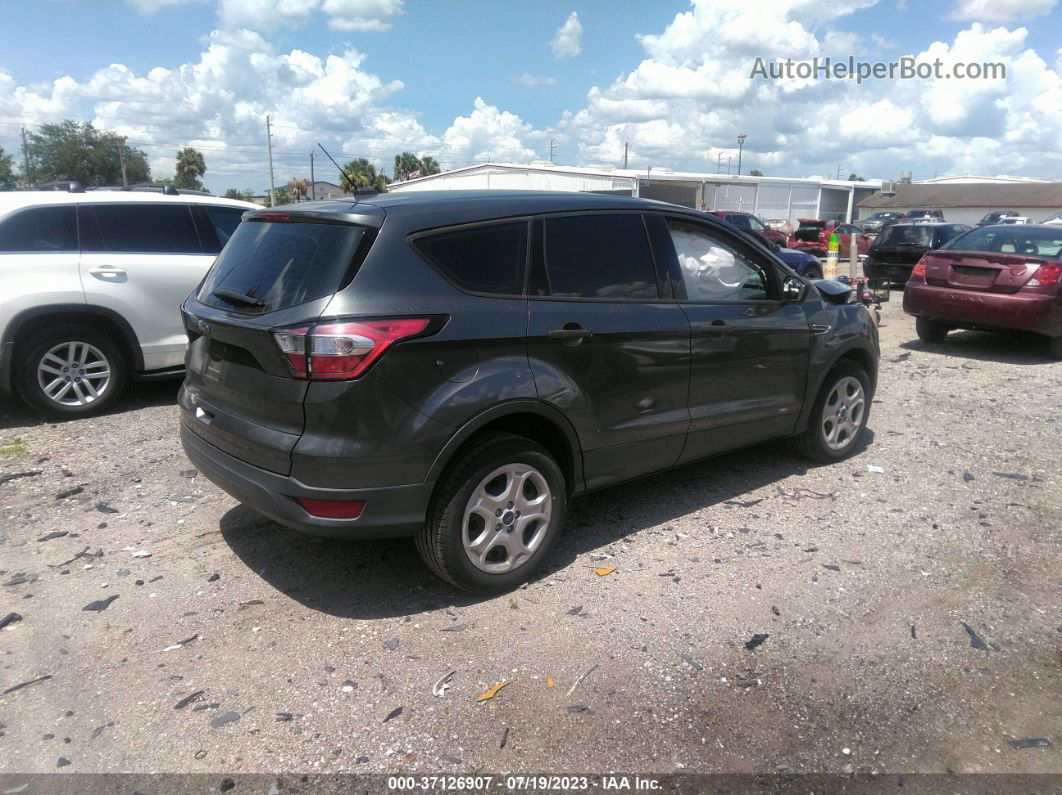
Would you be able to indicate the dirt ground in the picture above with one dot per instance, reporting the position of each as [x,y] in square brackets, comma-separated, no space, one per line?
[907,602]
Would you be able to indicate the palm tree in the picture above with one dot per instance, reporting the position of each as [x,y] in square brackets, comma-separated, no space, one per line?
[360,173]
[299,188]
[429,165]
[190,167]
[405,164]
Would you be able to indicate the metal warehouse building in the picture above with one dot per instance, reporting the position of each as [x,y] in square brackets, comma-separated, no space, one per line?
[771,198]
[969,202]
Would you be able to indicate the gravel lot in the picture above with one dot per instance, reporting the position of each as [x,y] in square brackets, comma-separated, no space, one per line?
[910,618]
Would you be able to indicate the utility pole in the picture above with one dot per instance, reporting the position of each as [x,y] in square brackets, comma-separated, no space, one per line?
[313,182]
[719,162]
[121,160]
[741,145]
[625,146]
[269,145]
[729,160]
[838,171]
[27,175]
[551,140]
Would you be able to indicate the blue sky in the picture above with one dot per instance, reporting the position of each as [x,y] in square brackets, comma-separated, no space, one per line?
[373,77]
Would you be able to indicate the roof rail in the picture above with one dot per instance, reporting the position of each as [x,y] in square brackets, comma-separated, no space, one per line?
[68,185]
[142,187]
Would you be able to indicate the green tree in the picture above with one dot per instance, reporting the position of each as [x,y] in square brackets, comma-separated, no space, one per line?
[755,173]
[299,188]
[429,165]
[77,150]
[360,173]
[281,196]
[243,195]
[190,167]
[853,178]
[7,171]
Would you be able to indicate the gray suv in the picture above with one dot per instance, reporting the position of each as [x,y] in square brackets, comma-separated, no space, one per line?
[456,366]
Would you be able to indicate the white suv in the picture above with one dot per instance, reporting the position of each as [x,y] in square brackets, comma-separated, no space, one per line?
[90,289]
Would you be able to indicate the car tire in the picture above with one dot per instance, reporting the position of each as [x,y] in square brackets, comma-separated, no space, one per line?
[91,389]
[930,330]
[813,273]
[458,543]
[838,415]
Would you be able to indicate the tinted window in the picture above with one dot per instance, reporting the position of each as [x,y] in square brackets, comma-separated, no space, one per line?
[713,270]
[486,259]
[946,233]
[1030,241]
[40,229]
[270,266]
[905,236]
[599,256]
[740,221]
[221,223]
[143,228]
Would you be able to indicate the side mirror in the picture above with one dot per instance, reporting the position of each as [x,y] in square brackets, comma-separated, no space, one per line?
[793,289]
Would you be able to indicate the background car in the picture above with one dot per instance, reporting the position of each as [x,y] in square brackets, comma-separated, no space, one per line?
[895,251]
[750,223]
[90,289]
[813,237]
[923,213]
[992,277]
[874,223]
[995,216]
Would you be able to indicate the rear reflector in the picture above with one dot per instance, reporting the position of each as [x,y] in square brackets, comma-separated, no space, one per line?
[919,270]
[332,509]
[340,351]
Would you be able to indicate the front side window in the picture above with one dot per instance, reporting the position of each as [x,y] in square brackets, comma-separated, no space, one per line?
[148,228]
[713,270]
[484,259]
[40,229]
[599,256]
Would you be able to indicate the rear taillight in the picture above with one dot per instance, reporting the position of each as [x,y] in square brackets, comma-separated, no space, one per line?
[1047,274]
[339,351]
[919,270]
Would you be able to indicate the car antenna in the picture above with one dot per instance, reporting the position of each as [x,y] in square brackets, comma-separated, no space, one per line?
[341,171]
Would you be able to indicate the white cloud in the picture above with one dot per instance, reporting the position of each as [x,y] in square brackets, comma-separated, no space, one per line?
[567,41]
[488,133]
[528,79]
[264,15]
[361,15]
[882,43]
[1000,10]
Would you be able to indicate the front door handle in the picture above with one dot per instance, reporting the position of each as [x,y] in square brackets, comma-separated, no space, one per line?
[717,328]
[571,334]
[107,270]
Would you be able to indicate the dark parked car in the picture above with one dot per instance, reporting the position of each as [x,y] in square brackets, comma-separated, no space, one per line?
[895,251]
[750,223]
[996,216]
[992,277]
[455,366]
[874,223]
[919,215]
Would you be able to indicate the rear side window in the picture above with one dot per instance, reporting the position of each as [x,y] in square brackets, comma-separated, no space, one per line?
[483,259]
[221,222]
[42,229]
[141,228]
[599,256]
[271,266]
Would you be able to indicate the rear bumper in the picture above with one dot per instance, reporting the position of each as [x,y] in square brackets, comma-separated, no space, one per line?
[1041,314]
[893,271]
[389,512]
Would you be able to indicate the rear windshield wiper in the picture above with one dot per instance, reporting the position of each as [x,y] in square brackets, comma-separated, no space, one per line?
[236,297]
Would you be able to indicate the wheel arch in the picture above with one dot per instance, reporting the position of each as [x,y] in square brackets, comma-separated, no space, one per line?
[855,353]
[533,419]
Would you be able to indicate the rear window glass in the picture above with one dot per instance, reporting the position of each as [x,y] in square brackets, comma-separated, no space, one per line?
[599,256]
[270,266]
[221,223]
[1030,241]
[487,259]
[43,229]
[141,228]
[906,236]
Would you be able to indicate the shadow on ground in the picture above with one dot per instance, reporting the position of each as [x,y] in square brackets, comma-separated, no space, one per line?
[381,579]
[1013,347]
[15,414]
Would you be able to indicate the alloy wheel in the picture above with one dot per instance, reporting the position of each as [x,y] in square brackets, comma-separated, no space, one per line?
[506,518]
[74,373]
[842,413]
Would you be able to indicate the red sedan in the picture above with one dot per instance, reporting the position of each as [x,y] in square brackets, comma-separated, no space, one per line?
[992,277]
[813,237]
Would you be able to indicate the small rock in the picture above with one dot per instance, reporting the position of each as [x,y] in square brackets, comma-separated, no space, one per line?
[63,762]
[62,495]
[756,640]
[391,644]
[100,604]
[223,718]
[53,535]
[214,577]
[1030,742]
[393,714]
[10,618]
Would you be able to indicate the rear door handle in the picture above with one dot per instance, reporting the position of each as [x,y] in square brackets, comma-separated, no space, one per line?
[107,270]
[717,328]
[567,334]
